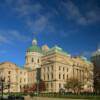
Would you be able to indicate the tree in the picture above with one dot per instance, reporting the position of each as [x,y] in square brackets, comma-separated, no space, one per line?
[42,86]
[97,83]
[74,85]
[33,87]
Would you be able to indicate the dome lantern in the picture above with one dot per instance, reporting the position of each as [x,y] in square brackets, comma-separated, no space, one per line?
[34,42]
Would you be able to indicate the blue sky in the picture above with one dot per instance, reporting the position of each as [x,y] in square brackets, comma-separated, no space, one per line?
[74,25]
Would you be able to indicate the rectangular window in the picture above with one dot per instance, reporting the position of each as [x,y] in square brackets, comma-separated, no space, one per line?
[63,76]
[32,59]
[52,75]
[67,76]
[59,85]
[48,76]
[59,76]
[59,67]
[9,72]
[38,61]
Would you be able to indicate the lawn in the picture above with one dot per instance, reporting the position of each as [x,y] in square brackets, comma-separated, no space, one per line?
[72,96]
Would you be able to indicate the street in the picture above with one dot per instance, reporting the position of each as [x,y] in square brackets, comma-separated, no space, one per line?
[45,98]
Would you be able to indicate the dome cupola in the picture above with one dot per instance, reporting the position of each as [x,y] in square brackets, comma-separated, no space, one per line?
[34,42]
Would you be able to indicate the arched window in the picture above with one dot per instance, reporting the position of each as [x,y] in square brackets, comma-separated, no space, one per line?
[59,76]
[67,76]
[59,67]
[52,75]
[63,76]
[48,76]
[59,85]
[38,61]
[32,59]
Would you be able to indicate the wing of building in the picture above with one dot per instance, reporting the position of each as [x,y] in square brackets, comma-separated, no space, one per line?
[52,65]
[95,58]
[15,77]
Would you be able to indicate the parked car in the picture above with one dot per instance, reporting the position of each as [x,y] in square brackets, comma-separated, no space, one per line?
[15,97]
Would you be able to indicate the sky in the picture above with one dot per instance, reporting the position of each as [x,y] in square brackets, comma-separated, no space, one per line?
[73,25]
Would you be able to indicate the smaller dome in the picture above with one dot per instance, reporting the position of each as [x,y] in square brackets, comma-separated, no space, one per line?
[34,42]
[96,53]
[98,50]
[83,58]
[58,48]
[45,47]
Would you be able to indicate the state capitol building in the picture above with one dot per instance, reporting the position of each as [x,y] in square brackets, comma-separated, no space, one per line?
[55,68]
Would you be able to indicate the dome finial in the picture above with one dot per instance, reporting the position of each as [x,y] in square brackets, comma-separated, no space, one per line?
[34,42]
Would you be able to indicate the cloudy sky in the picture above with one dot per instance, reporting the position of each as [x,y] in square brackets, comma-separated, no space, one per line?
[74,25]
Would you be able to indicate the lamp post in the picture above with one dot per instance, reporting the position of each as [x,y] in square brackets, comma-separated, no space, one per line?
[9,87]
[2,80]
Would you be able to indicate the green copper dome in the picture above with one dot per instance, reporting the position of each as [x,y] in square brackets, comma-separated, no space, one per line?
[34,48]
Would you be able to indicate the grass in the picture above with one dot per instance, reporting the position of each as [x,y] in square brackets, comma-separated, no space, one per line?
[58,95]
[71,96]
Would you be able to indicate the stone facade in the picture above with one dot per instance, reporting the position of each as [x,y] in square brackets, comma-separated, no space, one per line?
[56,67]
[14,76]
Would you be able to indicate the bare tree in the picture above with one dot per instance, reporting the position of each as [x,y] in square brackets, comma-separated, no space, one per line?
[74,85]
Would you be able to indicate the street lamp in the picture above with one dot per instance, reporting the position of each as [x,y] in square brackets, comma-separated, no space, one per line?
[2,80]
[9,87]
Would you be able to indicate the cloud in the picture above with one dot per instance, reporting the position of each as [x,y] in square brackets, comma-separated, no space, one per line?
[19,36]
[32,14]
[39,24]
[68,33]
[23,8]
[73,12]
[9,36]
[93,16]
[4,39]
